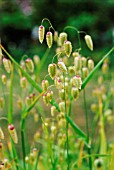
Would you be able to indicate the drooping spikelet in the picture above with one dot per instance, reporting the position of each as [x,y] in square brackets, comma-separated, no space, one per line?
[62,38]
[52,70]
[68,48]
[90,64]
[29,64]
[13,133]
[41,33]
[75,93]
[7,64]
[89,42]
[62,66]
[45,85]
[49,39]
[77,82]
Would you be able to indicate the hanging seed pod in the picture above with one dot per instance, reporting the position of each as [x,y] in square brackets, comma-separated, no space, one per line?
[13,133]
[75,54]
[1,152]
[85,72]
[28,100]
[49,39]
[1,102]
[4,79]
[50,95]
[62,38]
[84,62]
[71,70]
[23,82]
[7,65]
[77,81]
[36,59]
[45,85]
[62,107]
[29,64]
[62,94]
[105,68]
[68,48]
[41,33]
[55,36]
[62,66]
[53,110]
[45,99]
[75,93]
[52,70]
[78,63]
[1,134]
[89,42]
[90,64]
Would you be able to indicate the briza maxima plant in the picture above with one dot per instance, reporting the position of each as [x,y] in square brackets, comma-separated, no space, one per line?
[58,143]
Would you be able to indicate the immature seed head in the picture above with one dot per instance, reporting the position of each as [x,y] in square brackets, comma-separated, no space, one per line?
[55,36]
[45,85]
[75,93]
[53,110]
[45,99]
[52,70]
[89,42]
[98,163]
[75,54]
[36,59]
[41,33]
[105,68]
[62,107]
[62,66]
[50,95]
[68,48]
[84,62]
[90,64]
[13,133]
[62,38]
[4,79]
[49,39]
[23,82]
[29,64]
[78,63]
[85,72]
[76,80]
[7,65]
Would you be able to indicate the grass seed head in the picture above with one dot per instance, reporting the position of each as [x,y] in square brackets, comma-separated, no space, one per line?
[13,133]
[68,48]
[89,42]
[7,65]
[52,70]
[41,33]
[49,39]
[29,64]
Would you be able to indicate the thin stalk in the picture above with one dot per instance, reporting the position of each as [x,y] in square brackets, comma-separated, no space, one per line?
[87,130]
[67,140]
[10,109]
[23,141]
[78,33]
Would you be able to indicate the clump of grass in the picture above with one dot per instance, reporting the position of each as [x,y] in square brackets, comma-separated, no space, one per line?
[59,143]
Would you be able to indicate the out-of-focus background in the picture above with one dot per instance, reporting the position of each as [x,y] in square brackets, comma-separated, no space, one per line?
[19,21]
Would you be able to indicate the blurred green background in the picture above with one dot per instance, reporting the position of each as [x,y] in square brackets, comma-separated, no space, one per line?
[19,21]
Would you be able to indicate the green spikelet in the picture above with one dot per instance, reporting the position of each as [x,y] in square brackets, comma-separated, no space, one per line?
[41,33]
[68,48]
[49,39]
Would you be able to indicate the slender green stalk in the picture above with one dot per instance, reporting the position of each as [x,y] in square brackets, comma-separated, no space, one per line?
[87,130]
[88,78]
[23,141]
[10,110]
[67,140]
[78,33]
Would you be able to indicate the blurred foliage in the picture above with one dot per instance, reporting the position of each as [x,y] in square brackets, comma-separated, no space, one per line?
[19,17]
